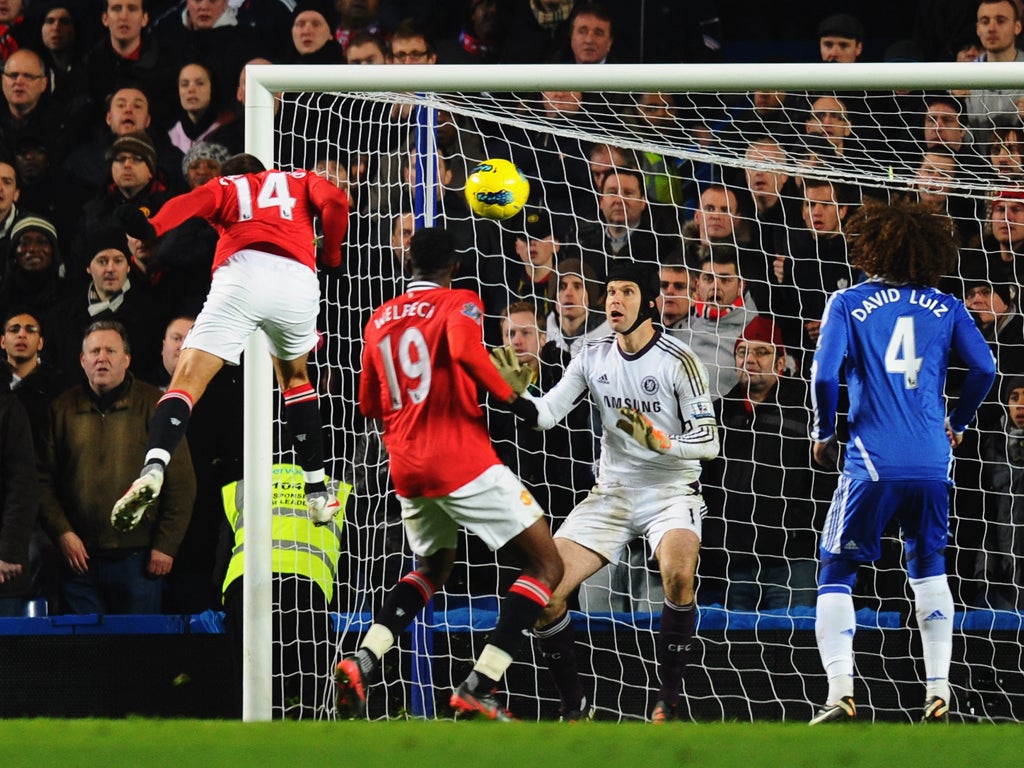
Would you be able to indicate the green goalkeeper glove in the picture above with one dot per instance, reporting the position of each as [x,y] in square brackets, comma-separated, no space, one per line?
[518,376]
[639,427]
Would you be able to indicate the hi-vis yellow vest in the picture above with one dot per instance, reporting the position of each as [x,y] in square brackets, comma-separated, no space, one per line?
[299,547]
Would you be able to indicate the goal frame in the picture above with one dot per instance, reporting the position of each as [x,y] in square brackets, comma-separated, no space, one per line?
[262,81]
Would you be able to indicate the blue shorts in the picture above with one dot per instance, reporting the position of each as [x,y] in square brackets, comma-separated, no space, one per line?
[861,509]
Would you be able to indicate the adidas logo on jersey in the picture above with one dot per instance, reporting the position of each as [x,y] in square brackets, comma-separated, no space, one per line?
[936,615]
[851,545]
[602,379]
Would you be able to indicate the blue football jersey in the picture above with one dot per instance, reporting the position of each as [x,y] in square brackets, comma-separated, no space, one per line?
[893,342]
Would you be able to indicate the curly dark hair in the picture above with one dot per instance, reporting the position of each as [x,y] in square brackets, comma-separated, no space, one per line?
[902,242]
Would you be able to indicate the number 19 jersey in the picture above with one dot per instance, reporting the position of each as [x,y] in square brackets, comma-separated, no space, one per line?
[422,361]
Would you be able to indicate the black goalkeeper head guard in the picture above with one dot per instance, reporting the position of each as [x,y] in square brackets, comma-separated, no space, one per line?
[648,278]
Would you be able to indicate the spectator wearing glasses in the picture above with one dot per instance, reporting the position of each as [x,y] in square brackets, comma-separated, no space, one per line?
[34,380]
[31,111]
[133,180]
[759,488]
[411,45]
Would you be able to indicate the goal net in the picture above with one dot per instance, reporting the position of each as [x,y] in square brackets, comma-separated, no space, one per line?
[765,164]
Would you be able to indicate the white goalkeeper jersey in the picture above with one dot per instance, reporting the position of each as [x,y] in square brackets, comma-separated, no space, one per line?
[666,383]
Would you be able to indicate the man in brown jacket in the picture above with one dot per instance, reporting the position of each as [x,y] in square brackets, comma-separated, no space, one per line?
[93,443]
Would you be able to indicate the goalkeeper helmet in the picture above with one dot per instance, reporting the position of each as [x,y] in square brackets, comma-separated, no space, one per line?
[648,278]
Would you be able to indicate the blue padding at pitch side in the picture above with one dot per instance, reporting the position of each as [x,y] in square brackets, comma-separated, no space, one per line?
[988,620]
[208,622]
[95,624]
[483,617]
[42,625]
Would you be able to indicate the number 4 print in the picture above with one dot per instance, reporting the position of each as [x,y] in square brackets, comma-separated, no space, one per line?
[901,354]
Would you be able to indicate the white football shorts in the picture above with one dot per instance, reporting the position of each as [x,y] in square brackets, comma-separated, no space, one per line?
[613,515]
[254,290]
[495,506]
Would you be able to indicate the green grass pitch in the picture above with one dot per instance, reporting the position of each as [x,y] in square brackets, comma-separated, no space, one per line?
[419,744]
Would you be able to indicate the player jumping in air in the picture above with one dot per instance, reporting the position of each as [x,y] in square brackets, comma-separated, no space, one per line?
[264,276]
[423,360]
[892,336]
[658,424]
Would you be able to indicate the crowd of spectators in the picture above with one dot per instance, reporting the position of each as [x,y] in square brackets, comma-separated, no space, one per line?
[142,101]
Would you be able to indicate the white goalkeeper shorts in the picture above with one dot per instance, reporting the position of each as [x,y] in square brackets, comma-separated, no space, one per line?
[613,515]
[254,290]
[495,506]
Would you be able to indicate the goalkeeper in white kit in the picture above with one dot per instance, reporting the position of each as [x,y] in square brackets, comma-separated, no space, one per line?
[658,424]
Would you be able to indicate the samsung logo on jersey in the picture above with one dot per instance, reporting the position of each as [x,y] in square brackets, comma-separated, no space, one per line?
[422,309]
[644,406]
[889,295]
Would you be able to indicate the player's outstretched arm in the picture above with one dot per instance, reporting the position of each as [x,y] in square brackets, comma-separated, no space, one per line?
[700,441]
[201,201]
[333,206]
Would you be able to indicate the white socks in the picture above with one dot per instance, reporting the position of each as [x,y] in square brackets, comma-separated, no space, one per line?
[492,662]
[378,639]
[933,603]
[834,627]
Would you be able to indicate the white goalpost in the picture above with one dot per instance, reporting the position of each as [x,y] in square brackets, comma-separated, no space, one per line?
[750,663]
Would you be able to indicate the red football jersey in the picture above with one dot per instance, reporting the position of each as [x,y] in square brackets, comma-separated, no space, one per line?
[422,361]
[271,211]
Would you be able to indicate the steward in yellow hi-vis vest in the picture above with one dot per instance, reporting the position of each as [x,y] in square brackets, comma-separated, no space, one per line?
[304,561]
[299,547]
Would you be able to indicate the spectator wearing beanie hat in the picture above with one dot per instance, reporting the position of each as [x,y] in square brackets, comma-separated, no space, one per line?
[203,162]
[759,488]
[313,24]
[133,181]
[136,147]
[34,271]
[111,293]
[128,108]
